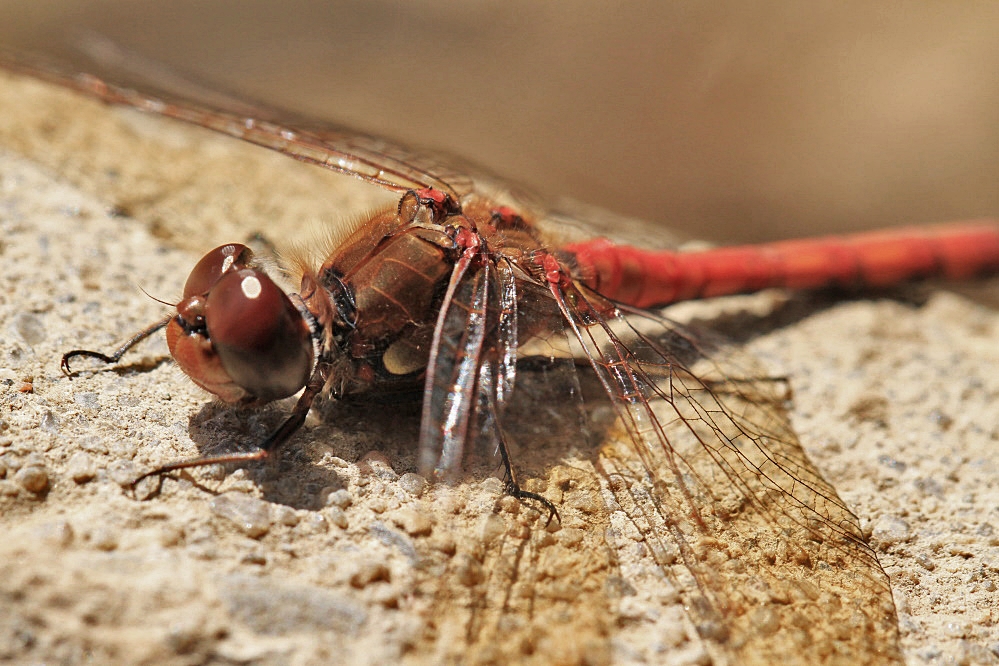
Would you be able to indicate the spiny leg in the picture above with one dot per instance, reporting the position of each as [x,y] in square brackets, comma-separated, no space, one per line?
[116,355]
[269,446]
[512,487]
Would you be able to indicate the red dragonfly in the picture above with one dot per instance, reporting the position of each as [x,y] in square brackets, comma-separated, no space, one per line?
[456,285]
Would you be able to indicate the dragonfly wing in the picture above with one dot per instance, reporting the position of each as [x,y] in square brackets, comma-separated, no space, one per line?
[708,469]
[473,362]
[506,318]
[453,368]
[114,79]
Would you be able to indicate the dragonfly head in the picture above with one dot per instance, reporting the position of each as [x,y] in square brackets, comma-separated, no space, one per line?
[236,334]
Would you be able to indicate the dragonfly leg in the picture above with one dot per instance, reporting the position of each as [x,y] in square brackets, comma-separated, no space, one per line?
[270,445]
[116,355]
[513,488]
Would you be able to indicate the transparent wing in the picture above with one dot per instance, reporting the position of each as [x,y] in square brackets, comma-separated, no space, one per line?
[324,144]
[706,467]
[449,394]
[473,366]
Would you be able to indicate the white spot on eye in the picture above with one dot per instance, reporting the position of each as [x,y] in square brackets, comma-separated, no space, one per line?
[251,287]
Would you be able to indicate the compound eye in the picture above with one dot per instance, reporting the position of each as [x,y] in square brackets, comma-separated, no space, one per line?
[262,340]
[213,265]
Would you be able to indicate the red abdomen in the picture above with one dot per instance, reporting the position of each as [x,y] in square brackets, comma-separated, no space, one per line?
[644,278]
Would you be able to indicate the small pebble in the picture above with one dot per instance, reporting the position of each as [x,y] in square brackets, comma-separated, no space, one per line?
[147,487]
[571,537]
[124,449]
[9,488]
[104,538]
[492,486]
[30,327]
[444,543]
[413,522]
[122,472]
[93,445]
[335,461]
[243,486]
[337,516]
[414,484]
[379,465]
[314,523]
[251,515]
[254,557]
[81,468]
[339,498]
[891,530]
[171,535]
[588,503]
[510,505]
[368,573]
[13,463]
[285,515]
[49,422]
[33,478]
[493,526]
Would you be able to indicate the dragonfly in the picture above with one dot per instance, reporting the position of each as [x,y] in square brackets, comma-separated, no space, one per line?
[460,285]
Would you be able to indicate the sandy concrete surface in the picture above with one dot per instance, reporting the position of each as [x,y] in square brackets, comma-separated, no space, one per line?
[339,553]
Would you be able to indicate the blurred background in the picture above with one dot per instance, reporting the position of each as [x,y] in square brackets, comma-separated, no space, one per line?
[728,120]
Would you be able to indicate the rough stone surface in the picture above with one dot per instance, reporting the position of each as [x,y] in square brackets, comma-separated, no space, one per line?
[895,402]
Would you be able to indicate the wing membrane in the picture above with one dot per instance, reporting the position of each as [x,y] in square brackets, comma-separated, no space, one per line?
[708,459]
[378,161]
[453,369]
